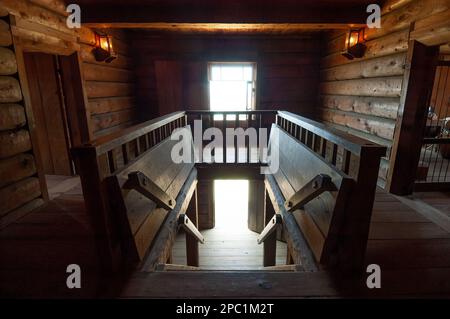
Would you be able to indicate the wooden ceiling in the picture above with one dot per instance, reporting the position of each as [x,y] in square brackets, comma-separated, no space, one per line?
[225,16]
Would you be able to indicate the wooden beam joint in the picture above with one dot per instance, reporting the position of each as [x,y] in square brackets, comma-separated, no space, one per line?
[144,185]
[271,226]
[190,228]
[319,184]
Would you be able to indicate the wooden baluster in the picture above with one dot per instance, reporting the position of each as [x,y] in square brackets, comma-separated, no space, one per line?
[323,150]
[247,142]
[212,124]
[346,161]
[125,153]
[111,162]
[137,150]
[224,143]
[147,141]
[236,146]
[334,154]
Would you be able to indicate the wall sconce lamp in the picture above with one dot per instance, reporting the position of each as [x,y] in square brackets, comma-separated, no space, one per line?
[354,44]
[103,50]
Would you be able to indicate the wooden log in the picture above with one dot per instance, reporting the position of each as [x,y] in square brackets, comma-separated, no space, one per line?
[445,49]
[10,91]
[43,42]
[111,104]
[392,5]
[14,142]
[433,30]
[93,72]
[18,194]
[17,213]
[16,168]
[53,5]
[387,87]
[365,135]
[401,19]
[5,34]
[12,116]
[108,89]
[38,14]
[335,45]
[377,106]
[8,64]
[390,65]
[390,44]
[3,11]
[376,126]
[104,121]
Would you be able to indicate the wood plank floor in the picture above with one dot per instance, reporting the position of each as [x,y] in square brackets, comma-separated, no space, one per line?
[412,251]
[36,249]
[438,200]
[225,249]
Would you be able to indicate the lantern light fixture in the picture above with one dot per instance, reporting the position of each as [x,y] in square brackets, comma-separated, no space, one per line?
[103,50]
[354,44]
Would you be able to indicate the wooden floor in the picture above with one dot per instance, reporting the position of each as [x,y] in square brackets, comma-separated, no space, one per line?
[225,249]
[412,251]
[438,200]
[36,249]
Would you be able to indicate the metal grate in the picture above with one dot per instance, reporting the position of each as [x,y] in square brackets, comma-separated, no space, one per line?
[434,165]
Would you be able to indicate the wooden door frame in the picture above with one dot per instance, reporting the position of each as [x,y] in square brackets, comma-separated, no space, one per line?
[75,104]
[417,86]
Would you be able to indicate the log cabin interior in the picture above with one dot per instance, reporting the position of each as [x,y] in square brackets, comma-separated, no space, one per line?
[357,116]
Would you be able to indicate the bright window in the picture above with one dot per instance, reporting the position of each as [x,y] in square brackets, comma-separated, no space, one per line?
[232,87]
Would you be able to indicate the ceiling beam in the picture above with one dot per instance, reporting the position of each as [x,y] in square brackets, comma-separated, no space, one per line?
[149,16]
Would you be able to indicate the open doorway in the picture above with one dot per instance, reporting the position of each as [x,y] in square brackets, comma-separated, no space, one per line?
[51,122]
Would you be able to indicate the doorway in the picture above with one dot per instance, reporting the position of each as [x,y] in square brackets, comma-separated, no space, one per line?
[51,122]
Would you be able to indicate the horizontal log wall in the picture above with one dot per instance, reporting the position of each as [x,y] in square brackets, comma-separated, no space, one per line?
[362,96]
[109,87]
[19,185]
[284,64]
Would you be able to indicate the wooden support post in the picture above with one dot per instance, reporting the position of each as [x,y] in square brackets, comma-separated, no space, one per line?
[144,185]
[311,190]
[298,246]
[270,228]
[270,244]
[417,85]
[162,244]
[190,228]
[192,254]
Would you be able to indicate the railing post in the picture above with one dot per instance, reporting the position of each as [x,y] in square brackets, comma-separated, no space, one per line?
[192,253]
[270,244]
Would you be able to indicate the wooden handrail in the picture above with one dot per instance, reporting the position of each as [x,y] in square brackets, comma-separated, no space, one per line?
[350,142]
[231,112]
[436,140]
[108,142]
